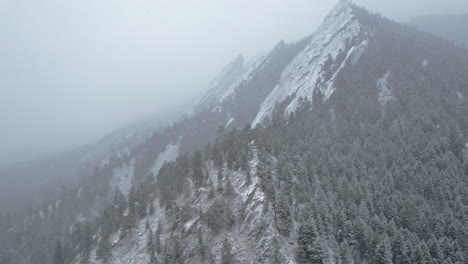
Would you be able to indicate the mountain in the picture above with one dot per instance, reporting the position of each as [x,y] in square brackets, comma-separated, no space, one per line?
[295,70]
[348,146]
[65,169]
[222,86]
[451,27]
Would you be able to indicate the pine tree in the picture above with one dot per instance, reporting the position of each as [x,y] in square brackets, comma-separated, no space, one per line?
[435,250]
[406,255]
[447,261]
[245,165]
[201,245]
[423,256]
[310,248]
[220,180]
[106,224]
[85,257]
[276,256]
[229,189]
[103,251]
[283,215]
[151,209]
[226,255]
[346,253]
[264,174]
[131,218]
[248,179]
[157,240]
[383,252]
[151,247]
[142,206]
[58,254]
[197,168]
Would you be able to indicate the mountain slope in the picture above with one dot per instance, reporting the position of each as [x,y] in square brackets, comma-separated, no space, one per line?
[65,169]
[361,160]
[349,172]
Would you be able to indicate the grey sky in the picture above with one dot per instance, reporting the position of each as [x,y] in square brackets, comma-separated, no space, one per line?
[71,71]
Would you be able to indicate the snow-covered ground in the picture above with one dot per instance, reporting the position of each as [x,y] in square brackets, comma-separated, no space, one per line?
[385,93]
[122,177]
[170,154]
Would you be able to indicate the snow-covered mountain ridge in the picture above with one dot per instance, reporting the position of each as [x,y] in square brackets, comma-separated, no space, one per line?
[338,42]
[337,36]
[223,84]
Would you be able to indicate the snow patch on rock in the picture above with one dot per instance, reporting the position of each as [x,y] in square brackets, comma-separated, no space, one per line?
[170,154]
[229,122]
[224,83]
[305,72]
[122,177]
[385,93]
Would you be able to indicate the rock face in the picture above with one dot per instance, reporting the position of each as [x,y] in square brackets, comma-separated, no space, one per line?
[223,85]
[339,41]
[299,69]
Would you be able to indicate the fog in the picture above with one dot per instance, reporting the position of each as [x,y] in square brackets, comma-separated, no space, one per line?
[72,71]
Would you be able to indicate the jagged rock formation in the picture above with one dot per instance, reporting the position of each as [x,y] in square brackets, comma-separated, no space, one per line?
[222,86]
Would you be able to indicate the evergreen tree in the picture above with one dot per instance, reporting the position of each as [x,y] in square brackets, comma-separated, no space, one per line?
[197,168]
[157,239]
[151,209]
[201,245]
[276,256]
[310,243]
[383,252]
[346,256]
[103,251]
[423,256]
[283,215]
[142,206]
[229,189]
[226,255]
[85,258]
[58,254]
[150,246]
[220,187]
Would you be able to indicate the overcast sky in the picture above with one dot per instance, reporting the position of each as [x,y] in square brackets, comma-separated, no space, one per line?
[72,71]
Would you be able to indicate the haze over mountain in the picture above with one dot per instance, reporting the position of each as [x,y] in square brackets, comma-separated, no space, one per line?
[73,72]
